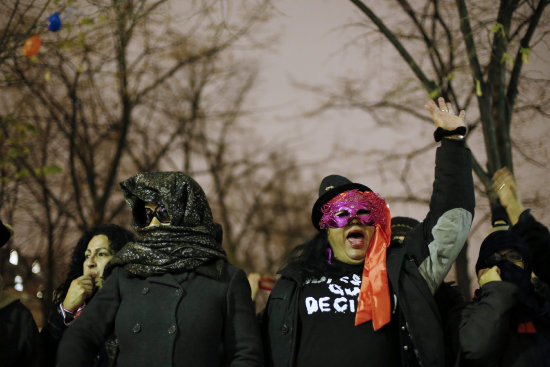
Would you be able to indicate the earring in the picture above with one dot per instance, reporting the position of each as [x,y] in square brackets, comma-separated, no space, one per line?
[329,260]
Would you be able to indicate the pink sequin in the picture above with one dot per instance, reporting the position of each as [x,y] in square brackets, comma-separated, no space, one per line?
[366,206]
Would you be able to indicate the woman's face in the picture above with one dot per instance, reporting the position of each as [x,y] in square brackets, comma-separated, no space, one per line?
[97,255]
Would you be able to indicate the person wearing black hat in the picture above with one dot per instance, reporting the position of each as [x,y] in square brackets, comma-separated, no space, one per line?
[448,296]
[508,323]
[401,227]
[352,297]
[171,298]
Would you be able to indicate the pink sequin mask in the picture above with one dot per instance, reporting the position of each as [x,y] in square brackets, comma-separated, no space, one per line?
[366,206]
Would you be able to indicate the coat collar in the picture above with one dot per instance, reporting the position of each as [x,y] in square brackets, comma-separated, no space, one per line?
[213,269]
[166,279]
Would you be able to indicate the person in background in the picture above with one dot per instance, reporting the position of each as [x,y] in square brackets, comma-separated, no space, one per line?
[448,296]
[91,254]
[19,340]
[351,297]
[172,299]
[523,223]
[508,322]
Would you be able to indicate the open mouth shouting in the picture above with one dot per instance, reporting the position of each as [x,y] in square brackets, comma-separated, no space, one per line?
[350,243]
[356,238]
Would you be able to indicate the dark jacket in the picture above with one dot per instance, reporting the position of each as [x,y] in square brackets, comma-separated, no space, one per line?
[188,319]
[537,237]
[51,334]
[488,337]
[488,331]
[53,331]
[415,269]
[19,340]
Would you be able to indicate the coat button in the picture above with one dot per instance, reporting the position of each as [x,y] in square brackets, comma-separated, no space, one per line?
[285,329]
[137,328]
[403,328]
[145,290]
[180,292]
[406,347]
[172,329]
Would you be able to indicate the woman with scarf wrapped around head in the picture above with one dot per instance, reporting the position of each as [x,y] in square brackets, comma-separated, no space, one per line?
[171,299]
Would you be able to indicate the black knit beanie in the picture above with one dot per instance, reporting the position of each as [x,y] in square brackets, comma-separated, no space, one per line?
[499,240]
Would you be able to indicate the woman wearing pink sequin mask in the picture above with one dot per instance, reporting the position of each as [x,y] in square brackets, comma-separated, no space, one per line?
[350,296]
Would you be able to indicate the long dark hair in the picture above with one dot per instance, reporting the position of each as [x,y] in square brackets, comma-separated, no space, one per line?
[310,259]
[118,237]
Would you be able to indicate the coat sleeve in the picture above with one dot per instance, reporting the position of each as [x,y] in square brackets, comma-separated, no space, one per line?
[51,335]
[537,237]
[437,241]
[485,323]
[82,341]
[242,339]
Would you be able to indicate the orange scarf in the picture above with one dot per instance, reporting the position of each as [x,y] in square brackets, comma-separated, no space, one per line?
[374,299]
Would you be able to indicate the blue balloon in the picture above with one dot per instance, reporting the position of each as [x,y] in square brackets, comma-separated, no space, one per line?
[54,22]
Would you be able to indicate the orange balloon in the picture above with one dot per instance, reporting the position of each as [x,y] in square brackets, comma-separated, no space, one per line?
[32,46]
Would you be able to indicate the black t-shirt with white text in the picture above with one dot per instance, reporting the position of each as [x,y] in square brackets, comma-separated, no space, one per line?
[328,335]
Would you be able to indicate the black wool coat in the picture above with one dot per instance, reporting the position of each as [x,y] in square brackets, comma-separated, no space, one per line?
[488,337]
[51,336]
[186,319]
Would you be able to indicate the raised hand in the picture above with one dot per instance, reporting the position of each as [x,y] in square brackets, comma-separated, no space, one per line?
[504,185]
[444,116]
[485,276]
[79,291]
